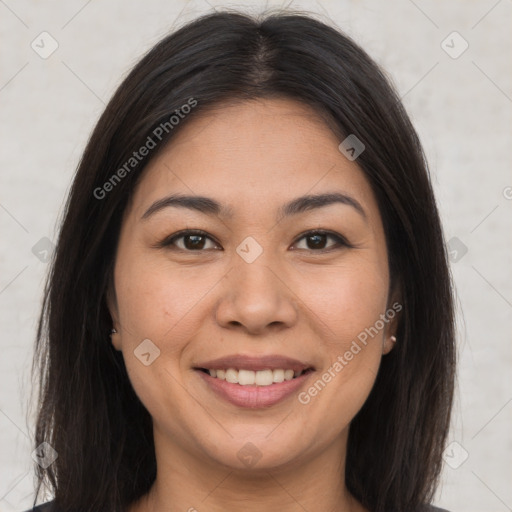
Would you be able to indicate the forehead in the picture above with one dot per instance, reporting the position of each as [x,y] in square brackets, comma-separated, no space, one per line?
[271,149]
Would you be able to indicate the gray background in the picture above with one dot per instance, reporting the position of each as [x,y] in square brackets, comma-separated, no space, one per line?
[460,106]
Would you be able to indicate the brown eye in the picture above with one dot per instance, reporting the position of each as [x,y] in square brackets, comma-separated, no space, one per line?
[194,241]
[197,241]
[317,241]
[189,240]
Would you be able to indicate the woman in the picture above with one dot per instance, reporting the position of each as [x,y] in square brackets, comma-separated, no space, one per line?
[250,306]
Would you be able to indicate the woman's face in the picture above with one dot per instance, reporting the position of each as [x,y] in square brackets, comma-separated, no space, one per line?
[260,296]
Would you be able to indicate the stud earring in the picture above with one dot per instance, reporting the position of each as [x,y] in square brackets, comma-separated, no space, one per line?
[113,331]
[393,339]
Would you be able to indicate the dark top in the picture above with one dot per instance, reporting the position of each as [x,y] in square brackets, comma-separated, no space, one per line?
[49,507]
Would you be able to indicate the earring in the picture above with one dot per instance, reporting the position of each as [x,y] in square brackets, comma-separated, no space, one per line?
[393,339]
[113,331]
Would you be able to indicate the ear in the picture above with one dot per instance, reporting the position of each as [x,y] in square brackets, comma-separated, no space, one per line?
[388,344]
[393,315]
[111,301]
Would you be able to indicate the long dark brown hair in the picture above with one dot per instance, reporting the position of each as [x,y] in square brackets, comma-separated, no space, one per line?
[87,409]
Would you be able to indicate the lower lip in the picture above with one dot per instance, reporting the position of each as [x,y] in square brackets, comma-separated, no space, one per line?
[254,397]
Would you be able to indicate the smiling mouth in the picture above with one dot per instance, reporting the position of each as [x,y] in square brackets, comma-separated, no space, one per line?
[265,377]
[254,381]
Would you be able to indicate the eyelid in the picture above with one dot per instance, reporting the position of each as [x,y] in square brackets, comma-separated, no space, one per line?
[169,240]
[341,241]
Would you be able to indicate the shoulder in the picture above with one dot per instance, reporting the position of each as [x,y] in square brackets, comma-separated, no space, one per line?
[45,507]
[50,507]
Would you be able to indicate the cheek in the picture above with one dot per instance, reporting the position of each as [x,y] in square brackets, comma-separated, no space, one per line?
[154,299]
[348,302]
[162,305]
[346,299]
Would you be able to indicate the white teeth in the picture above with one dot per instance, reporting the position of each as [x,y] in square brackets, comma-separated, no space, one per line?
[246,377]
[288,374]
[278,375]
[264,378]
[232,376]
[251,378]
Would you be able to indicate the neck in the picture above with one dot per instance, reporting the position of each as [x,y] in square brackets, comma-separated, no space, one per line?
[185,482]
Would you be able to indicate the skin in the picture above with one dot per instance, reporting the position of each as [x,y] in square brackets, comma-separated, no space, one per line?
[295,299]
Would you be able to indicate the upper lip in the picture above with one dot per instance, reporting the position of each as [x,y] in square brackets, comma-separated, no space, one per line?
[255,363]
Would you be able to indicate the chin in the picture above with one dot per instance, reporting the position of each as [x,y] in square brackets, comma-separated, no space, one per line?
[257,451]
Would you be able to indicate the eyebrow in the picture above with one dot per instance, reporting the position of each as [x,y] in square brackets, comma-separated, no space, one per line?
[209,206]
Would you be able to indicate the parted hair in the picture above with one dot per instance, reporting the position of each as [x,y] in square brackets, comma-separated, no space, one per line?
[87,409]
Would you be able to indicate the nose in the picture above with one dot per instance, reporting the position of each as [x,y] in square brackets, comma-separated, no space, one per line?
[256,297]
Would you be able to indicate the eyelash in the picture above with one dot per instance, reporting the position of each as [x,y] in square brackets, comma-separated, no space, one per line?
[340,240]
